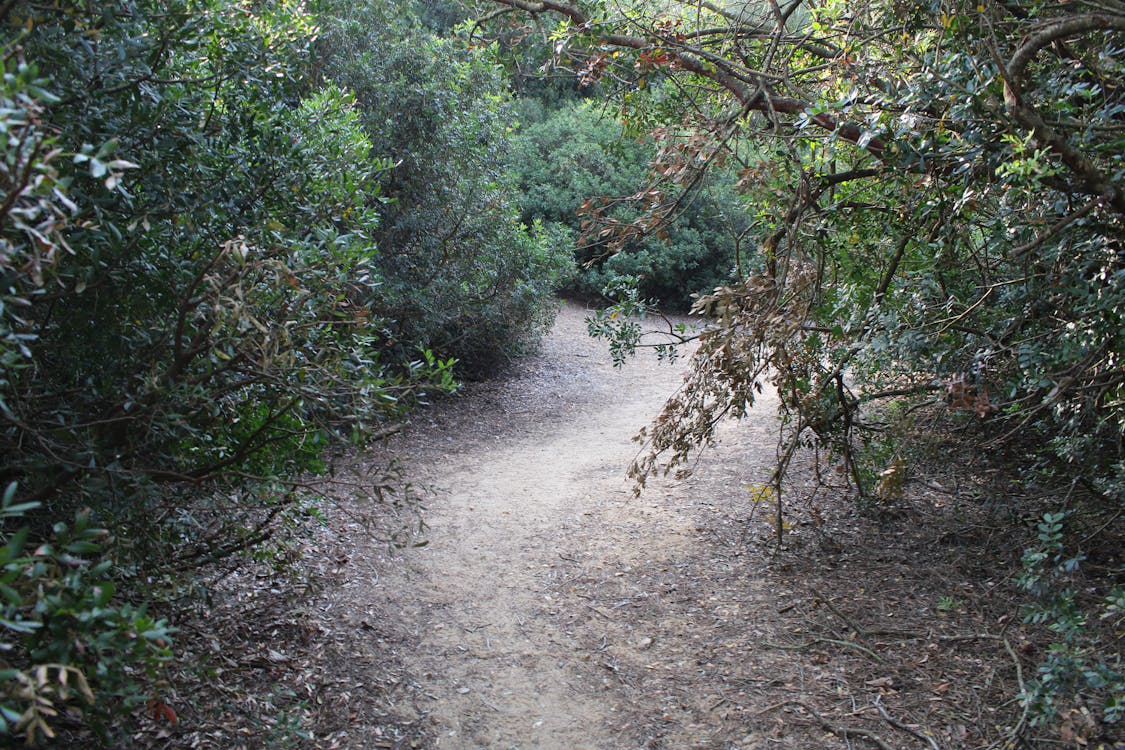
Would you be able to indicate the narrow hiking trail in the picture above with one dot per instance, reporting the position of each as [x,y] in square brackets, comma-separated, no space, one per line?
[547,607]
[526,495]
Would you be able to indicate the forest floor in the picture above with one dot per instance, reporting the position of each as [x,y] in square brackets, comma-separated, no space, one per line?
[543,605]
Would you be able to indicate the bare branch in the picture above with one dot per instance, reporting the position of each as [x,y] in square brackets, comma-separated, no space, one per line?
[1060,226]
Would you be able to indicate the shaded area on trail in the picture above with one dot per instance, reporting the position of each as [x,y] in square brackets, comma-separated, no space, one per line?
[550,608]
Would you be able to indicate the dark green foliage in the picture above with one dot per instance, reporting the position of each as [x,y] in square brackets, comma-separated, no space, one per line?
[58,604]
[440,17]
[464,277]
[1076,663]
[576,154]
[215,261]
[234,255]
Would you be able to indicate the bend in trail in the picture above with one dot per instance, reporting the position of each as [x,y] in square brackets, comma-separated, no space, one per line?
[552,609]
[535,591]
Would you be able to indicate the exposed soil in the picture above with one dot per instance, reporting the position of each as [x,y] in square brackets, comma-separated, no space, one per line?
[528,507]
[544,606]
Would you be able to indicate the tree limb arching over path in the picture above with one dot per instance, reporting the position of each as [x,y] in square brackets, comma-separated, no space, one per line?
[722,54]
[936,192]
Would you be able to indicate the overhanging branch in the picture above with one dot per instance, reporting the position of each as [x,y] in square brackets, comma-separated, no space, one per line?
[751,90]
[1093,181]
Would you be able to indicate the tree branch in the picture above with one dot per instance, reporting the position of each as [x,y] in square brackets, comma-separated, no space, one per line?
[751,92]
[1052,33]
[1060,225]
[1094,182]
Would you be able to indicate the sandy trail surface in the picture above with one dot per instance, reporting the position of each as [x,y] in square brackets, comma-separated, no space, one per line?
[547,607]
[528,495]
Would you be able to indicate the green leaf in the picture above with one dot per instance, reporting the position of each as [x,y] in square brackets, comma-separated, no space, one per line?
[21,626]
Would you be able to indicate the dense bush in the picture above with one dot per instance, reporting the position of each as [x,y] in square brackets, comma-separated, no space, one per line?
[84,645]
[576,153]
[465,277]
[206,281]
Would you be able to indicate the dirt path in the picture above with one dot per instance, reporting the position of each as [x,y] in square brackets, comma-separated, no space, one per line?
[549,608]
[535,492]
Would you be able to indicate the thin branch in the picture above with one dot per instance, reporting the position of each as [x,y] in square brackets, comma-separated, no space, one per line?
[834,641]
[1061,225]
[913,390]
[889,274]
[844,732]
[485,19]
[749,91]
[900,726]
[1019,681]
[1094,181]
[1054,32]
[842,177]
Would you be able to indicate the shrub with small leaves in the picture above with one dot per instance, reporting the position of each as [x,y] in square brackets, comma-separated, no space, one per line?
[66,641]
[1077,663]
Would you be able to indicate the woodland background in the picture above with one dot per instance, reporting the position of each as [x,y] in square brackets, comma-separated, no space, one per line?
[237,235]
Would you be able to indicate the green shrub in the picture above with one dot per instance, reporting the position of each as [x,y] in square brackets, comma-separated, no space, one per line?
[462,274]
[1080,660]
[197,296]
[66,639]
[575,154]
